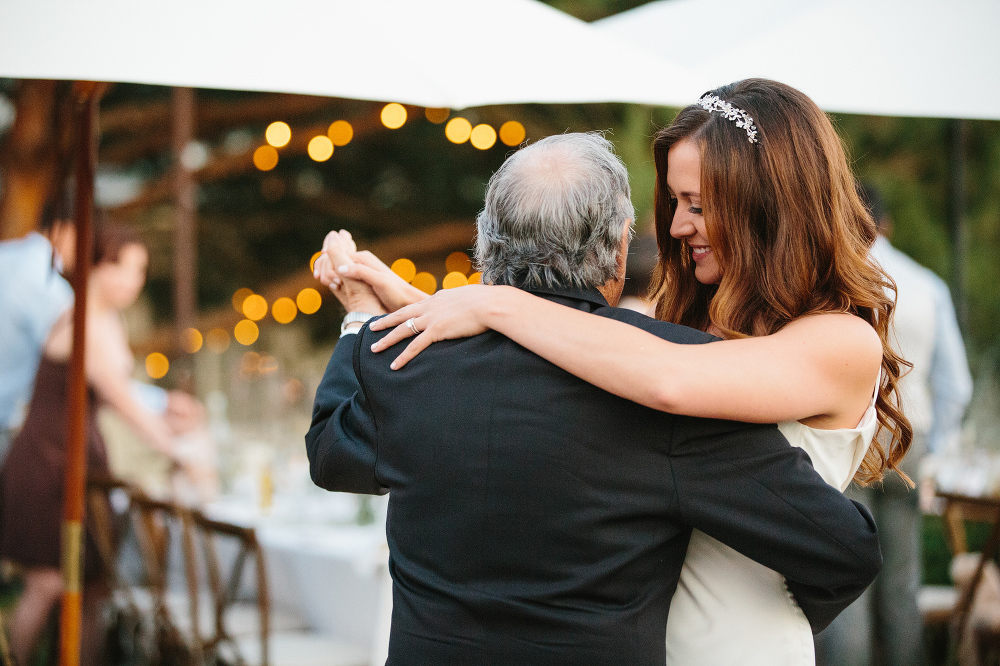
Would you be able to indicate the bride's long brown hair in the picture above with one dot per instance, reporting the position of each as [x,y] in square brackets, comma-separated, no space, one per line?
[789,232]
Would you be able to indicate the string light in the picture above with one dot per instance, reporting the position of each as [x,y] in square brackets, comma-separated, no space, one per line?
[284,310]
[157,365]
[393,115]
[437,116]
[476,278]
[458,262]
[308,300]
[320,148]
[425,282]
[312,261]
[512,133]
[340,132]
[458,130]
[254,307]
[405,269]
[483,137]
[454,279]
[191,340]
[217,340]
[239,296]
[265,158]
[278,134]
[246,332]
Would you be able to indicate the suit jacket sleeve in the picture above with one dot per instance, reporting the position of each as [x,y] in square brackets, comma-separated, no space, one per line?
[342,441]
[747,487]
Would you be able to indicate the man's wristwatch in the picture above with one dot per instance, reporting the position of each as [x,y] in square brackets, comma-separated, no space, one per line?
[352,317]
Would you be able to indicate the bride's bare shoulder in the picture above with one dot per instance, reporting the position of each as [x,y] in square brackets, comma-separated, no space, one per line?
[842,341]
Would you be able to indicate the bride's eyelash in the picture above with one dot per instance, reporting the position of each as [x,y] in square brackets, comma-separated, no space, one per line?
[695,210]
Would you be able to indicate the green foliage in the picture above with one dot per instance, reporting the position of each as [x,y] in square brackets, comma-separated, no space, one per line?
[909,160]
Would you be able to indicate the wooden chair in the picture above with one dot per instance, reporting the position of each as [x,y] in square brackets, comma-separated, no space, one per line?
[160,527]
[952,605]
[267,645]
[130,636]
[937,602]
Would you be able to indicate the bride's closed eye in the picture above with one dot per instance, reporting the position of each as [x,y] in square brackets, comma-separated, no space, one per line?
[696,210]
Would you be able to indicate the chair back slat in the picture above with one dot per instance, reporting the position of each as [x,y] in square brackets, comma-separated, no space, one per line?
[226,581]
[159,525]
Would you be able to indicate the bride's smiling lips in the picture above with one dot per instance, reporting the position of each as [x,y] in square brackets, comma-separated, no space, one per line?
[699,252]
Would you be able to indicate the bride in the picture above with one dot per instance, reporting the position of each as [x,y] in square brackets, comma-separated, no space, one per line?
[763,242]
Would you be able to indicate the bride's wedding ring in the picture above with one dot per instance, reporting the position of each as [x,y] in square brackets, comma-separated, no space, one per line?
[412,325]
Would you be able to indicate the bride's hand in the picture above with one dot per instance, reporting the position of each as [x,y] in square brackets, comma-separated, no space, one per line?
[448,314]
[340,259]
[392,290]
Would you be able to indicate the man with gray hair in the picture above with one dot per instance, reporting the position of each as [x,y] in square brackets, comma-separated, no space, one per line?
[534,518]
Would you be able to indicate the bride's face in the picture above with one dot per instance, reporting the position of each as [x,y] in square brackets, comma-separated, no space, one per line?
[120,282]
[688,225]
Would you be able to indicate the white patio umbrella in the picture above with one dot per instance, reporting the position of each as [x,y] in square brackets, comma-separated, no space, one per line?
[887,57]
[441,53]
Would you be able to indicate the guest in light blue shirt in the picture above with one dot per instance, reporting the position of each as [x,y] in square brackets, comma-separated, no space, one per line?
[33,295]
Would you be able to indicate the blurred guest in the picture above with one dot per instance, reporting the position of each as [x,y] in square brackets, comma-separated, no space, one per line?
[33,295]
[885,622]
[31,480]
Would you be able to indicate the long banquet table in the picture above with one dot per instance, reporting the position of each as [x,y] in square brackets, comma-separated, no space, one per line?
[334,575]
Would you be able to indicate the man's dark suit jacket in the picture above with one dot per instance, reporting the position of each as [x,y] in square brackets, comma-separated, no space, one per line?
[536,519]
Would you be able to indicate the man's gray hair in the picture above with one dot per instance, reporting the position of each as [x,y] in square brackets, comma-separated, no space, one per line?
[555,214]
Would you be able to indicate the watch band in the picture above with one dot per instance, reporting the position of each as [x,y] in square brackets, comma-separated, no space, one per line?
[352,317]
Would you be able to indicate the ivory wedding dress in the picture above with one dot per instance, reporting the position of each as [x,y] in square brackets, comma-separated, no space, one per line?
[729,610]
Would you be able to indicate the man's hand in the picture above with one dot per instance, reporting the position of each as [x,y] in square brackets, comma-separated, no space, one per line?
[354,295]
[333,268]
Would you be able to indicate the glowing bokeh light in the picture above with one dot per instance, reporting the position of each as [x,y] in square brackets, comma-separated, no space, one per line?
[340,132]
[483,137]
[157,365]
[437,116]
[393,115]
[191,340]
[458,262]
[278,134]
[404,268]
[312,261]
[458,130]
[476,278]
[284,310]
[217,340]
[308,301]
[320,148]
[425,282]
[265,158]
[454,279]
[246,332]
[254,307]
[239,296]
[512,133]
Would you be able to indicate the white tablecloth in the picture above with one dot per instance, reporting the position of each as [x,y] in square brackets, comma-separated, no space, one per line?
[333,575]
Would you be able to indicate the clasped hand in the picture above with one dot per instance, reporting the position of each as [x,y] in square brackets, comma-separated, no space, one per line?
[363,283]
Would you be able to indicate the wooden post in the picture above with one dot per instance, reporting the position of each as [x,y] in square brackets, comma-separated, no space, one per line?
[88,96]
[185,237]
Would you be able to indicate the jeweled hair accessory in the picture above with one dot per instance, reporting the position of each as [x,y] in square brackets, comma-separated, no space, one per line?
[739,116]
